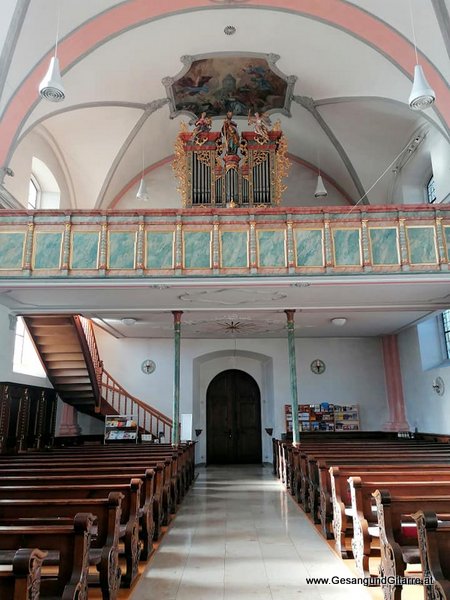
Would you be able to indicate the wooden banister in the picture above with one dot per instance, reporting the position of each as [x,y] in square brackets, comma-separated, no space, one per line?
[149,419]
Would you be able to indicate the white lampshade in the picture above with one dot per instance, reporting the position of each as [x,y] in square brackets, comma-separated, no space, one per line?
[339,321]
[142,191]
[129,321]
[321,191]
[422,95]
[51,87]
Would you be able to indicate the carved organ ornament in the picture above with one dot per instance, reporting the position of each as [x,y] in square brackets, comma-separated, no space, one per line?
[227,169]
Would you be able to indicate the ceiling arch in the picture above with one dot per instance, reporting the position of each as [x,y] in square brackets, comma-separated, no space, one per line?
[120,18]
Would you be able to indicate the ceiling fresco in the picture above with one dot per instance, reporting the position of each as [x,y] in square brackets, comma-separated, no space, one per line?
[229,83]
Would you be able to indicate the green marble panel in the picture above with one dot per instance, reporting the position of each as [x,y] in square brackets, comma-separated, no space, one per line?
[85,250]
[159,250]
[309,247]
[197,249]
[447,241]
[421,245]
[347,248]
[47,250]
[271,248]
[384,245]
[234,246]
[11,249]
[121,249]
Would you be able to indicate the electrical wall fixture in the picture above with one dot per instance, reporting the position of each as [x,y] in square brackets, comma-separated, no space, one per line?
[438,386]
[339,321]
[51,87]
[198,432]
[422,95]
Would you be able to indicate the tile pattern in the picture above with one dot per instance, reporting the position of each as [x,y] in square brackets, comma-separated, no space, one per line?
[384,246]
[47,252]
[422,245]
[239,536]
[11,250]
[347,247]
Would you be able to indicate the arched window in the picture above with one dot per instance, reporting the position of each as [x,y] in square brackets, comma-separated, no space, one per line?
[431,190]
[44,189]
[26,360]
[33,194]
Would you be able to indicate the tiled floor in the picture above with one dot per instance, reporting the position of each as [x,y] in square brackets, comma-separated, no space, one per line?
[238,535]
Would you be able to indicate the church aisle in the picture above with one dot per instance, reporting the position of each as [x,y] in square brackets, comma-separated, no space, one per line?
[239,536]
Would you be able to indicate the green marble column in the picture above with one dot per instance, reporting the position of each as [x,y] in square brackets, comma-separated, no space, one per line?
[176,378]
[293,375]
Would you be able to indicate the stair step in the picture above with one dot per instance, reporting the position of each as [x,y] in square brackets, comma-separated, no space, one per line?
[52,326]
[49,320]
[68,371]
[64,357]
[74,387]
[65,379]
[56,340]
[61,349]
[74,395]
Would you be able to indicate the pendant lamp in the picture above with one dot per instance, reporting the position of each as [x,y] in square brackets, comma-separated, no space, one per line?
[142,193]
[51,87]
[422,95]
[321,191]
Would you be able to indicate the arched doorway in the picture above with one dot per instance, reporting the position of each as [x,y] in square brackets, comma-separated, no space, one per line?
[233,419]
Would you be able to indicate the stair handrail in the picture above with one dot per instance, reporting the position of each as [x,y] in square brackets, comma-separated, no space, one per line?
[89,347]
[125,403]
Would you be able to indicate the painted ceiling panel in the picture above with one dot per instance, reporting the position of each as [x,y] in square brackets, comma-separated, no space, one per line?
[102,131]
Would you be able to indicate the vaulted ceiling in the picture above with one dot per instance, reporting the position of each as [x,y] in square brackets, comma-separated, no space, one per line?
[349,114]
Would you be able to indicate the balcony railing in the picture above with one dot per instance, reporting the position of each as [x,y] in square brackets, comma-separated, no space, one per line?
[223,242]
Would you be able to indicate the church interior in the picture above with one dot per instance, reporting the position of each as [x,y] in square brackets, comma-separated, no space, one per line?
[214,215]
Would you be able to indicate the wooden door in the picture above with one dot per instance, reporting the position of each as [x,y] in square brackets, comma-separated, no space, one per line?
[233,407]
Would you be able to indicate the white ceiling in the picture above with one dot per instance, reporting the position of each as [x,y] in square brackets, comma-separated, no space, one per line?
[330,64]
[372,305]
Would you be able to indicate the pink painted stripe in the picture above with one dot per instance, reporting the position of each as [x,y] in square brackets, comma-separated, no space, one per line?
[121,17]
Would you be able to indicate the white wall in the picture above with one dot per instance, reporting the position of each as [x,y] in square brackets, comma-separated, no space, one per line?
[354,375]
[424,408]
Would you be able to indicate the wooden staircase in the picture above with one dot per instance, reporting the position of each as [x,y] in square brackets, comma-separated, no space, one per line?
[69,353]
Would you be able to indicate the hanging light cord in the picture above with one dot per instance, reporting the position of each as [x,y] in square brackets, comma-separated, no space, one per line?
[379,178]
[413,31]
[58,21]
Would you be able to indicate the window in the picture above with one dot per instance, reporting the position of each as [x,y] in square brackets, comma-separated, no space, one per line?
[431,191]
[446,324]
[33,195]
[26,359]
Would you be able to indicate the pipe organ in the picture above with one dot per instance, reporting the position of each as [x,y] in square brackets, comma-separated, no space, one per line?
[213,172]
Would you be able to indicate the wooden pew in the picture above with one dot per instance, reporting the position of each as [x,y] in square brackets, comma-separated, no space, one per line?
[130,507]
[433,534]
[72,542]
[51,476]
[365,523]
[396,548]
[20,576]
[164,486]
[318,502]
[104,550]
[341,501]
